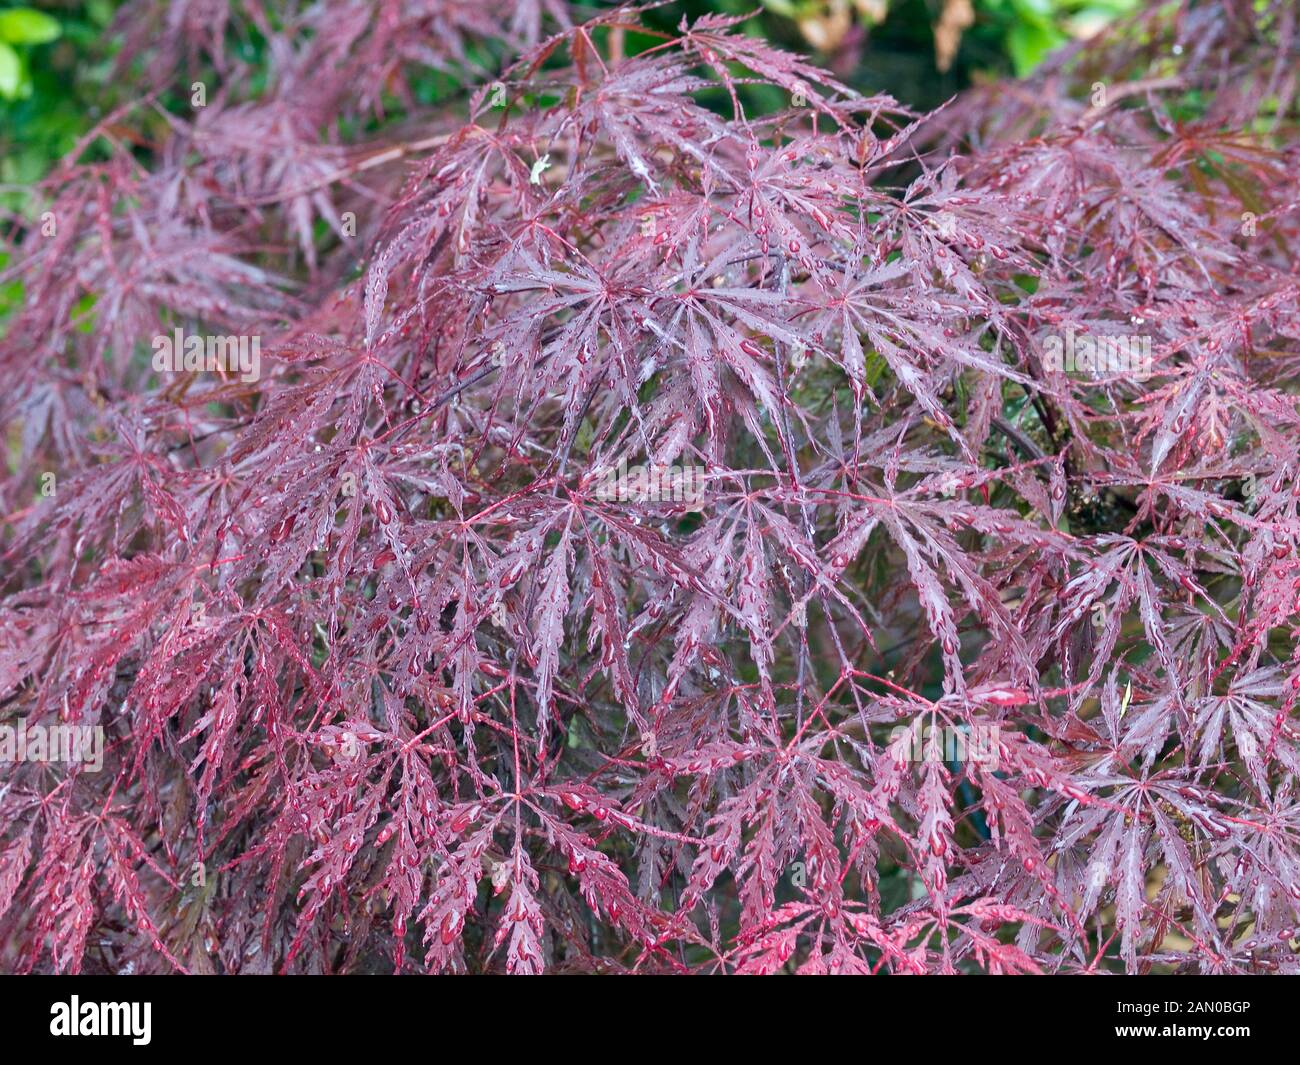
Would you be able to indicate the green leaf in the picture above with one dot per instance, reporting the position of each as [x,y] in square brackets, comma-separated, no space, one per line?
[22,25]
[11,72]
[1034,12]
[873,368]
[1029,45]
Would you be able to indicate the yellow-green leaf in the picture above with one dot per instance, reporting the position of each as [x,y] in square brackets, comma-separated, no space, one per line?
[22,25]
[11,71]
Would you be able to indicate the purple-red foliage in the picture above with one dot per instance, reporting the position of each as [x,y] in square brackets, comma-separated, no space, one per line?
[389,680]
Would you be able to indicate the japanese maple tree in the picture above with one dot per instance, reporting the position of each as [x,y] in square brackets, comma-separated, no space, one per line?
[390,680]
